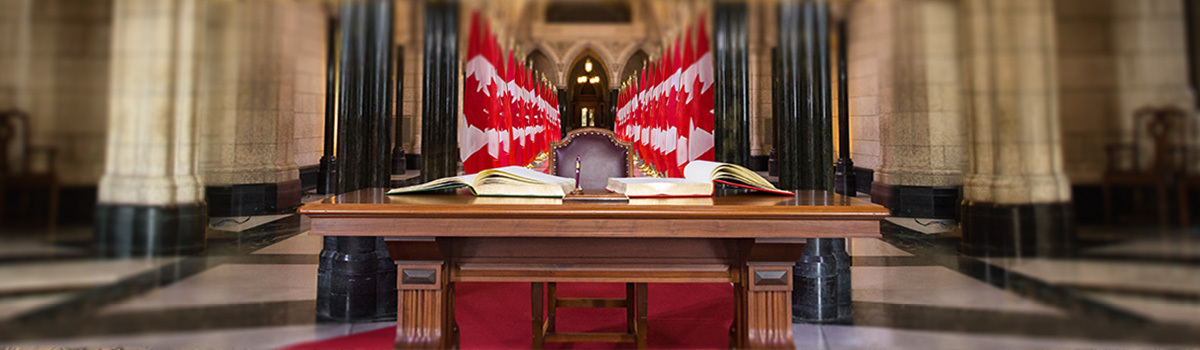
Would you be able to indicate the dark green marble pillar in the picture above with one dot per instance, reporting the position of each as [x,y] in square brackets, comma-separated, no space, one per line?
[805,116]
[327,178]
[439,113]
[731,117]
[356,277]
[399,159]
[822,275]
[845,180]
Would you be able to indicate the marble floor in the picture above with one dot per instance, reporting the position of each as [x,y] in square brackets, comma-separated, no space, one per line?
[255,289]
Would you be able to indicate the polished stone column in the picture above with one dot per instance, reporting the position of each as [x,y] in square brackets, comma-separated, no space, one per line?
[822,275]
[399,159]
[327,179]
[1017,200]
[439,115]
[845,181]
[805,117]
[151,201]
[356,279]
[732,106]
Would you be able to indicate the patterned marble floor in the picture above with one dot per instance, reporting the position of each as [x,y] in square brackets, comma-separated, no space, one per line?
[255,289]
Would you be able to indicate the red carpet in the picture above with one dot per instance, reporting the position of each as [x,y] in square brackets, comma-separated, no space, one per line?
[496,316]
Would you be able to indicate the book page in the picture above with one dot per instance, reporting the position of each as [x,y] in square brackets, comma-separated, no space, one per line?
[725,172]
[701,170]
[442,183]
[520,181]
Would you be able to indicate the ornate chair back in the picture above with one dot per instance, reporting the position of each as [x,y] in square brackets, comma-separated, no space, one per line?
[602,156]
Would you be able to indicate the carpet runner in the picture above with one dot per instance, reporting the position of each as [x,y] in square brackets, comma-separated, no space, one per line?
[497,316]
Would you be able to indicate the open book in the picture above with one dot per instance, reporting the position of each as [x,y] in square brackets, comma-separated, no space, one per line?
[510,181]
[697,181]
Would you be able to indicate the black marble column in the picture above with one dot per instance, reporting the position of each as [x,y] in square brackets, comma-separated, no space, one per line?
[399,160]
[356,277]
[439,121]
[845,182]
[327,177]
[804,100]
[731,118]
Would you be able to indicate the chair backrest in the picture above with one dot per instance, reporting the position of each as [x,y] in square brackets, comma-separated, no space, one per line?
[14,142]
[1167,130]
[600,153]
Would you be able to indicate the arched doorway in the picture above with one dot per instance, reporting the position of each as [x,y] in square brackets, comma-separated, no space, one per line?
[636,62]
[587,91]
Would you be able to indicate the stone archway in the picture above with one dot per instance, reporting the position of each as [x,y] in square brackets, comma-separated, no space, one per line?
[587,92]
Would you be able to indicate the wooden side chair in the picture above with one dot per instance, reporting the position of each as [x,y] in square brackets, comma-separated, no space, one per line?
[16,167]
[603,156]
[1166,130]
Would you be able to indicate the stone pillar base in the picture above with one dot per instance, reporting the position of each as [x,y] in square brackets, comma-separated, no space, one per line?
[935,202]
[132,230]
[998,230]
[253,199]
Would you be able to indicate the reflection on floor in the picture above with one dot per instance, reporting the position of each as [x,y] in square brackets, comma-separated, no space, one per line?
[255,288]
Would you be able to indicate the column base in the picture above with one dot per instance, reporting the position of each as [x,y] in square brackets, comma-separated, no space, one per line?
[327,179]
[129,230]
[935,202]
[1045,230]
[253,199]
[356,281]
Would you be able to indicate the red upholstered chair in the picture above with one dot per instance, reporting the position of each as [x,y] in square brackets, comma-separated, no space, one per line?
[603,156]
[17,171]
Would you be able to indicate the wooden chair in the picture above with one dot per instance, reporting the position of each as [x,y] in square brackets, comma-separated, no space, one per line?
[603,156]
[1167,129]
[16,170]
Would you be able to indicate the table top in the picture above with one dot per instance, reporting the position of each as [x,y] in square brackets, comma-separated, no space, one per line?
[726,205]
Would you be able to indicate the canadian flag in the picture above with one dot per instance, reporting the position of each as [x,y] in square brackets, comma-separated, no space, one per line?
[671,136]
[701,134]
[473,138]
[684,118]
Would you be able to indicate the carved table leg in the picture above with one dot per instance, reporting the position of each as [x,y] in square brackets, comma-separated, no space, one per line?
[765,306]
[424,318]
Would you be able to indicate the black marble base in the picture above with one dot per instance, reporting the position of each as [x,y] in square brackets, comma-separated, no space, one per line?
[253,199]
[760,163]
[821,280]
[128,230]
[414,161]
[327,179]
[865,178]
[1046,230]
[308,177]
[936,202]
[356,281]
[845,178]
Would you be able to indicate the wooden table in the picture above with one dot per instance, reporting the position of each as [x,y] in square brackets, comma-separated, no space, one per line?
[750,240]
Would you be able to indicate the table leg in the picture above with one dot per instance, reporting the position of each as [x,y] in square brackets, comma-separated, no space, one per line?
[535,304]
[424,318]
[765,306]
[643,331]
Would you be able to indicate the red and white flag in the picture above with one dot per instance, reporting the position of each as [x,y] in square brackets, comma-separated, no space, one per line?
[473,138]
[701,135]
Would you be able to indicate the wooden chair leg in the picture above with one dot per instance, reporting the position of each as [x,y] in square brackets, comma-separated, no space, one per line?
[535,302]
[551,306]
[642,327]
